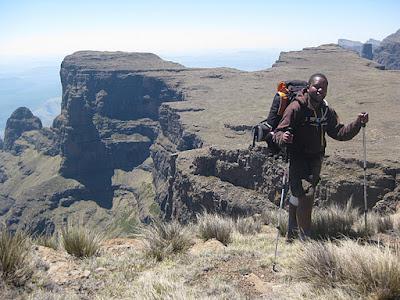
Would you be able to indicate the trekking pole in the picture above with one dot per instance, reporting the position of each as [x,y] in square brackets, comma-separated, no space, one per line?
[284,181]
[365,176]
[254,137]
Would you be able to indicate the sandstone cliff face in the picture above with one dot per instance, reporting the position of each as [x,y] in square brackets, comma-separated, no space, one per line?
[98,108]
[388,54]
[109,115]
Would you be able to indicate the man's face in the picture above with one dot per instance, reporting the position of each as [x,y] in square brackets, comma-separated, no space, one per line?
[318,89]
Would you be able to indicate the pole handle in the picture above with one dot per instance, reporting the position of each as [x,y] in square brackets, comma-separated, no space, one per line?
[363,124]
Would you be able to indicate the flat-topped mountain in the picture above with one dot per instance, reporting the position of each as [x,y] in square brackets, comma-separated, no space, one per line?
[138,135]
[116,61]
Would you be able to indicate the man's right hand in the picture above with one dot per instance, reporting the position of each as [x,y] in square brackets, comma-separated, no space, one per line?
[287,137]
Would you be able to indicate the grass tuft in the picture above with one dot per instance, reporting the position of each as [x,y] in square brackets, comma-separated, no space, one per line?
[368,270]
[80,241]
[15,268]
[166,239]
[212,226]
[49,241]
[385,224]
[333,221]
[248,226]
[375,224]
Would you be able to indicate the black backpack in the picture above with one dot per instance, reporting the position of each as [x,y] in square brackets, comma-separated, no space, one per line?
[286,93]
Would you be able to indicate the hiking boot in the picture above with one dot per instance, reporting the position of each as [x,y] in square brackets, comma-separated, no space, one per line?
[291,236]
[304,236]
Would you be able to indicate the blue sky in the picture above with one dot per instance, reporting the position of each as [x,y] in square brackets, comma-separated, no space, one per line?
[46,28]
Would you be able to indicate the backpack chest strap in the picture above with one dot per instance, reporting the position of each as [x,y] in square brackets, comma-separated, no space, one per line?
[318,121]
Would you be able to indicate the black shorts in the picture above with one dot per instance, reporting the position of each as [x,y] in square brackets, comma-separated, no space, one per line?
[303,167]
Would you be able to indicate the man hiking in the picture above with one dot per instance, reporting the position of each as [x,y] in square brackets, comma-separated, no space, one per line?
[302,128]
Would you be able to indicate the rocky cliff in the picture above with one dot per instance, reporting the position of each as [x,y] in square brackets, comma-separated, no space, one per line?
[134,129]
[388,53]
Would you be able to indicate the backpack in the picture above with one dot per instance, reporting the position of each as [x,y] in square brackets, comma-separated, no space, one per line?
[286,93]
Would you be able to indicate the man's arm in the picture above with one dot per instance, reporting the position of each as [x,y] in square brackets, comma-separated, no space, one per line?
[282,135]
[341,132]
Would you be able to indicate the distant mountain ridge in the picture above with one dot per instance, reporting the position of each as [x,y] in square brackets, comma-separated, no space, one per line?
[385,52]
[365,50]
[388,53]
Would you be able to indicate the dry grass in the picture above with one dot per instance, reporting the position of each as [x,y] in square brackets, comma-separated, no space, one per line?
[385,224]
[355,268]
[333,221]
[271,217]
[212,226]
[375,224]
[80,241]
[248,226]
[49,241]
[166,239]
[328,270]
[165,286]
[15,267]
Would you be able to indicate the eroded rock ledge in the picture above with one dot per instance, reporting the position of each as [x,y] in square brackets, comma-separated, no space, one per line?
[240,182]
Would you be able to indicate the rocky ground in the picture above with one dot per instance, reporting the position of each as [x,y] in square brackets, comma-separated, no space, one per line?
[209,270]
[242,269]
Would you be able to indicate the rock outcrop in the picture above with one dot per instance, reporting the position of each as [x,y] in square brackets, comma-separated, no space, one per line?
[20,121]
[388,53]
